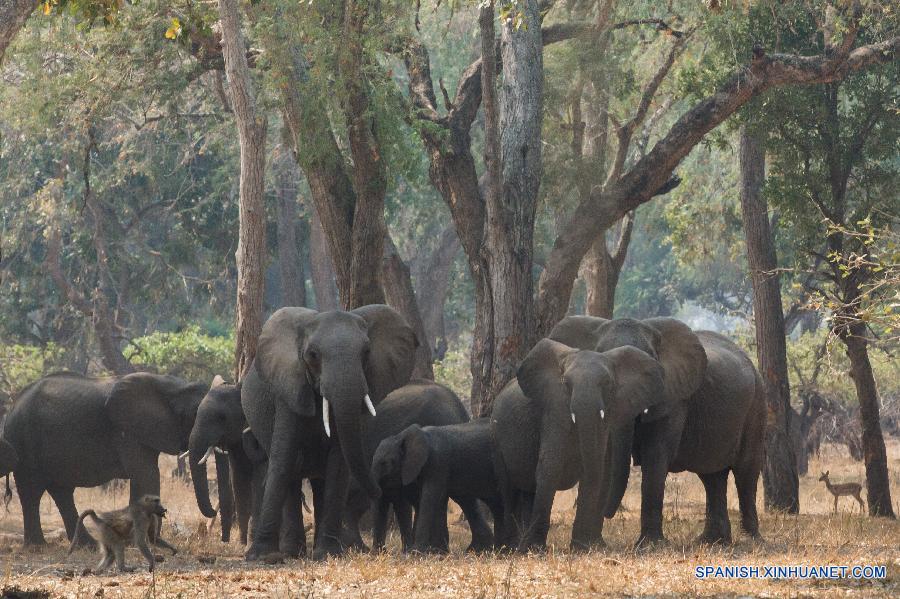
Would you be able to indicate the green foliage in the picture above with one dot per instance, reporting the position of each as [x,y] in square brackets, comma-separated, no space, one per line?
[190,354]
[24,364]
[453,371]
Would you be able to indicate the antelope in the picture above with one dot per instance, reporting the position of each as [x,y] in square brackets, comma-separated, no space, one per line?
[843,489]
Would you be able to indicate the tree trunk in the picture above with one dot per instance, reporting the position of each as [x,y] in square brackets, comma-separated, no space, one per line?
[399,292]
[13,14]
[601,271]
[780,481]
[878,489]
[321,272]
[511,204]
[251,251]
[290,260]
[432,286]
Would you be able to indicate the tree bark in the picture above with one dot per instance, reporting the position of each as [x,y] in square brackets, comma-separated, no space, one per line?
[400,295]
[13,14]
[321,271]
[432,286]
[511,202]
[251,251]
[290,261]
[601,270]
[878,489]
[781,485]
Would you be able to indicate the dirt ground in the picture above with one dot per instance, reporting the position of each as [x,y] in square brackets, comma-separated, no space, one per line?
[205,567]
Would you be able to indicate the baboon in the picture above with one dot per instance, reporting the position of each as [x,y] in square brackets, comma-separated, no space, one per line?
[138,523]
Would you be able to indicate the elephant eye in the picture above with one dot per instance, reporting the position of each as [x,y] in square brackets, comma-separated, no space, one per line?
[312,356]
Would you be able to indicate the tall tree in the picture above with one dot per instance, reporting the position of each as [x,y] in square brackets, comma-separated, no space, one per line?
[251,252]
[781,484]
[447,140]
[286,177]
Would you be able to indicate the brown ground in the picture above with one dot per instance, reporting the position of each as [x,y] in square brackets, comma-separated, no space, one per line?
[817,537]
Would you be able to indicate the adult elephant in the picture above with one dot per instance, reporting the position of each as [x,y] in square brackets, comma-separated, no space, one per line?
[313,369]
[73,431]
[713,421]
[552,427]
[218,430]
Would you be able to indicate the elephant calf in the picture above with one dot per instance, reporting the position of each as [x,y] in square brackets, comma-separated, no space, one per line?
[444,462]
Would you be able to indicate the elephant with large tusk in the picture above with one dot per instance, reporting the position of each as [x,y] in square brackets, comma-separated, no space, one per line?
[316,381]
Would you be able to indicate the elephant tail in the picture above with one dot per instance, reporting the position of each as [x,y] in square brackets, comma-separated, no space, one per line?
[7,495]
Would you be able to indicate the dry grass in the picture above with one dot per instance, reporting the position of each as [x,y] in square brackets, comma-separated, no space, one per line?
[815,538]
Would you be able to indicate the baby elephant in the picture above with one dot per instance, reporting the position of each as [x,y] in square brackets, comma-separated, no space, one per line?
[442,462]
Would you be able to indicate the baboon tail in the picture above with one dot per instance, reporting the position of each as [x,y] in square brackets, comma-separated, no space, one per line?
[80,526]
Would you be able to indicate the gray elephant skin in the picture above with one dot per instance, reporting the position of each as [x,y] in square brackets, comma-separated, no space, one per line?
[441,462]
[8,457]
[706,415]
[219,425]
[72,431]
[423,403]
[308,364]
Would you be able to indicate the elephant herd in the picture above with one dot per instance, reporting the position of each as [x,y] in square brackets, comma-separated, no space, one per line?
[328,399]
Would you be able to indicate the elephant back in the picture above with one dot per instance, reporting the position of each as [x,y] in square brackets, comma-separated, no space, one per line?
[156,410]
[60,431]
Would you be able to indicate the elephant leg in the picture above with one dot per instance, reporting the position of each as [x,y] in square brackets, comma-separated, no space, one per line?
[337,485]
[497,512]
[283,453]
[64,498]
[241,481]
[403,514]
[654,469]
[717,528]
[226,496]
[535,537]
[482,538]
[142,465]
[746,480]
[357,505]
[30,497]
[379,524]
[432,507]
[292,536]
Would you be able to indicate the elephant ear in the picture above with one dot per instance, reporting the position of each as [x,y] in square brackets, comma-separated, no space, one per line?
[415,454]
[392,348]
[540,373]
[639,386]
[279,361]
[682,357]
[580,332]
[156,410]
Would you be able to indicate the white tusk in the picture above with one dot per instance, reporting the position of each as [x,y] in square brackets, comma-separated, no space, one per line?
[325,416]
[369,405]
[646,410]
[181,456]
[602,415]
[245,431]
[573,417]
[206,455]
[220,450]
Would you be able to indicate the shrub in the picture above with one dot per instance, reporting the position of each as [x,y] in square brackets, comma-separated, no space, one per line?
[190,353]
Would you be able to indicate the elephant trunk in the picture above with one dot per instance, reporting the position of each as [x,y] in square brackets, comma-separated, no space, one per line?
[593,436]
[620,443]
[348,403]
[226,495]
[198,447]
